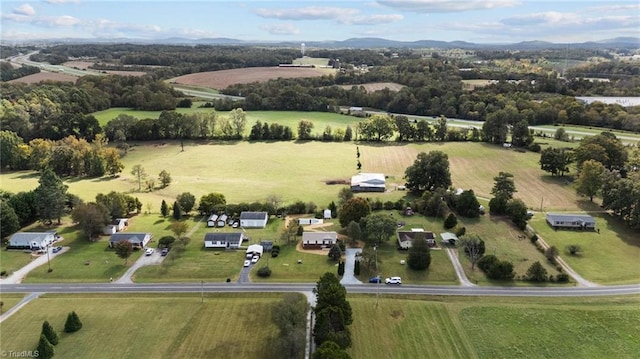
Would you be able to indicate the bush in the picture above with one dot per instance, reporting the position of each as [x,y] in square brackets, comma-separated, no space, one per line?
[49,333]
[562,278]
[341,268]
[73,323]
[461,231]
[551,254]
[495,268]
[574,249]
[533,238]
[274,254]
[264,272]
[537,273]
[166,241]
[487,262]
[451,221]
[534,147]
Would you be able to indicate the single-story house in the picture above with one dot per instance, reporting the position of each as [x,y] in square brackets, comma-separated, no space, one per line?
[255,249]
[567,220]
[318,240]
[253,219]
[139,240]
[120,223]
[405,238]
[211,221]
[222,220]
[228,240]
[449,238]
[305,221]
[31,240]
[267,245]
[368,182]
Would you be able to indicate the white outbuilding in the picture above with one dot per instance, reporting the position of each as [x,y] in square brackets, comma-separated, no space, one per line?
[253,219]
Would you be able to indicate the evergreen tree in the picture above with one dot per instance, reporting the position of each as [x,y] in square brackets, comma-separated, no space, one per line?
[419,255]
[73,323]
[177,211]
[164,209]
[49,333]
[44,349]
[51,196]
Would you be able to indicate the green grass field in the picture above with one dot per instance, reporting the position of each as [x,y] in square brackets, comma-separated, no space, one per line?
[149,326]
[480,327]
[608,257]
[9,300]
[12,260]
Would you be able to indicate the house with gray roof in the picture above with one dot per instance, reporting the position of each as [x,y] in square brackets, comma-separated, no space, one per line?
[253,219]
[572,221]
[319,240]
[139,240]
[406,238]
[368,182]
[227,240]
[31,240]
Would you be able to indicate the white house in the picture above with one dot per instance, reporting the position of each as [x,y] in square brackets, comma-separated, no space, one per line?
[368,182]
[120,223]
[567,220]
[304,221]
[405,238]
[139,240]
[31,240]
[253,219]
[228,240]
[318,240]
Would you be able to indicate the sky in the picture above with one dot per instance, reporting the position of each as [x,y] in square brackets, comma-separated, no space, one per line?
[479,21]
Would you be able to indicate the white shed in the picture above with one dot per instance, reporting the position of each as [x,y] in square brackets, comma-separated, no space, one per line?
[211,222]
[253,219]
[255,249]
[326,214]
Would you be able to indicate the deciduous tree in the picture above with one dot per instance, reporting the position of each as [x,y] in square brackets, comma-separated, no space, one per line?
[139,174]
[428,172]
[210,201]
[537,273]
[92,218]
[378,227]
[590,179]
[123,250]
[419,255]
[353,210]
[473,248]
[9,220]
[165,178]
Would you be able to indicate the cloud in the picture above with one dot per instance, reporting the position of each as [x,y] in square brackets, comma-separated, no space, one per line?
[24,10]
[62,1]
[613,8]
[370,20]
[442,6]
[550,17]
[281,29]
[306,13]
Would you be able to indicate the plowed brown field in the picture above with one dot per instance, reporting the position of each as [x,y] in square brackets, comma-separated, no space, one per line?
[45,76]
[223,78]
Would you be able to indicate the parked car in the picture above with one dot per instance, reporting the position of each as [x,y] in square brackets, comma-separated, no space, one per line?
[164,252]
[255,259]
[56,249]
[148,252]
[393,280]
[236,224]
[247,263]
[375,279]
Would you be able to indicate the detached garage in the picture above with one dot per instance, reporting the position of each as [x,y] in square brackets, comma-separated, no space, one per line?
[253,219]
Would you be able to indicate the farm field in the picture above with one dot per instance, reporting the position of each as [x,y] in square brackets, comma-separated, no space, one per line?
[149,326]
[45,76]
[246,171]
[608,257]
[481,327]
[224,78]
[376,86]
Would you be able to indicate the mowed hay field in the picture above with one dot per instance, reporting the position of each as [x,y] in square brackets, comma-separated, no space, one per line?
[482,327]
[149,326]
[224,78]
[251,171]
[45,76]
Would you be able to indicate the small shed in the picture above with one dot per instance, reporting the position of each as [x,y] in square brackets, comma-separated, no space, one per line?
[222,220]
[109,229]
[120,223]
[267,245]
[253,219]
[326,214]
[307,221]
[211,221]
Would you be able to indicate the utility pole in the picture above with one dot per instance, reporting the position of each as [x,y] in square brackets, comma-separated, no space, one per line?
[375,249]
[202,291]
[48,258]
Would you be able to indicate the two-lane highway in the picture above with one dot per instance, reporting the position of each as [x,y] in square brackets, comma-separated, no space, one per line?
[307,287]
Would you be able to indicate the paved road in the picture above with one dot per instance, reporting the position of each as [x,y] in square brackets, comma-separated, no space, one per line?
[462,277]
[308,287]
[349,264]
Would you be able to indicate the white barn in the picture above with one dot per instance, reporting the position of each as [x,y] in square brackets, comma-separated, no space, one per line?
[253,219]
[211,221]
[368,182]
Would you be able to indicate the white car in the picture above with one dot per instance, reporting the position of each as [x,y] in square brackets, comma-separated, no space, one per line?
[247,263]
[148,252]
[393,280]
[255,259]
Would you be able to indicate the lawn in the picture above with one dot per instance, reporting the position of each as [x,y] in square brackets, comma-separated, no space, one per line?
[248,172]
[480,327]
[285,267]
[506,242]
[149,326]
[12,260]
[608,257]
[9,300]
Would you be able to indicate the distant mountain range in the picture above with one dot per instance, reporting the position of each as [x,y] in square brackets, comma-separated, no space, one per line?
[368,43]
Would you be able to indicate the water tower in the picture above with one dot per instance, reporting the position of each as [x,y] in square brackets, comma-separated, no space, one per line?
[302,48]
